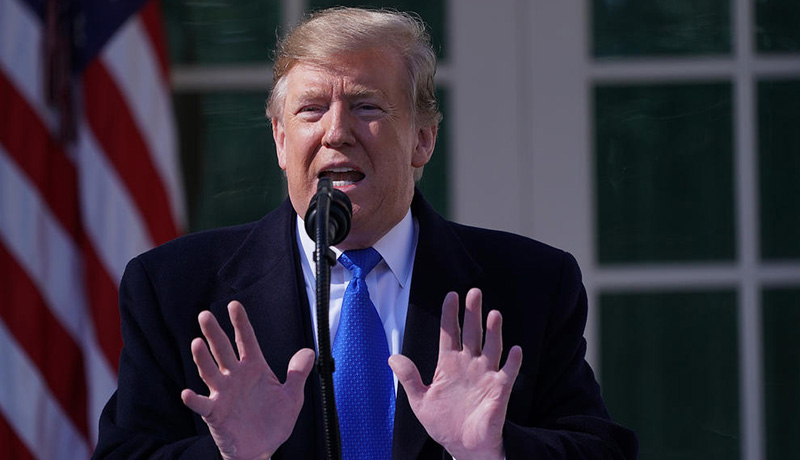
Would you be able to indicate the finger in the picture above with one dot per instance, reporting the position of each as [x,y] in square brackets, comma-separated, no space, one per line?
[206,366]
[218,342]
[473,329]
[493,346]
[299,367]
[408,376]
[200,404]
[449,331]
[245,336]
[513,364]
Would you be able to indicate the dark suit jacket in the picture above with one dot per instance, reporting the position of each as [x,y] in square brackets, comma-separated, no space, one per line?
[555,410]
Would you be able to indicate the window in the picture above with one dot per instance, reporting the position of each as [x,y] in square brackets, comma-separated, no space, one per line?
[696,172]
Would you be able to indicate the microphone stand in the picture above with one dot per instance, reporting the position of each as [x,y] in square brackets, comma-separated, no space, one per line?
[325,258]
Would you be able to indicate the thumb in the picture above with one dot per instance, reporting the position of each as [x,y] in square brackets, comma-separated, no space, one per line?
[299,367]
[408,376]
[199,404]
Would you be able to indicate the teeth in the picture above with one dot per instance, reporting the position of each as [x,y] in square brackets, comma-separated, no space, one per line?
[342,176]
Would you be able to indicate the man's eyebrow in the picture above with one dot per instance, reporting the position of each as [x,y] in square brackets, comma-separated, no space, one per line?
[359,92]
[310,93]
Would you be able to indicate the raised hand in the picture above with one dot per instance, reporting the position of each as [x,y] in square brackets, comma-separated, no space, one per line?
[464,407]
[249,412]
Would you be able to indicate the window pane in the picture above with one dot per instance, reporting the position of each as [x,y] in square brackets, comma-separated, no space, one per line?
[664,173]
[222,31]
[431,11]
[230,168]
[670,372]
[782,372]
[660,27]
[779,157]
[778,25]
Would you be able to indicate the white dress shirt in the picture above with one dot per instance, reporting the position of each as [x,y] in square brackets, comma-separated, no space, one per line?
[389,283]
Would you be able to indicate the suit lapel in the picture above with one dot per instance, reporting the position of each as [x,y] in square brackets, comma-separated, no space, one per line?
[265,276]
[441,265]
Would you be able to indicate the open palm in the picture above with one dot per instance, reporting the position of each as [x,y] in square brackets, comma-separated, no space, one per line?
[248,411]
[464,407]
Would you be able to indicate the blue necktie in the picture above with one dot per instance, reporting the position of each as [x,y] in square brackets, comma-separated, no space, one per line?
[363,382]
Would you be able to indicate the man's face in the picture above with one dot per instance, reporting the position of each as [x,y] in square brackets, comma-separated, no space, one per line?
[351,120]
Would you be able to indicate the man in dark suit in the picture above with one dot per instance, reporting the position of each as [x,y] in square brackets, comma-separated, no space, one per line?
[353,101]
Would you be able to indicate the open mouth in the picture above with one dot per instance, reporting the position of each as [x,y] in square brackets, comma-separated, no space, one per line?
[341,177]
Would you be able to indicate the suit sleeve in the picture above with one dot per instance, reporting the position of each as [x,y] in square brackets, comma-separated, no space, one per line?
[145,418]
[566,416]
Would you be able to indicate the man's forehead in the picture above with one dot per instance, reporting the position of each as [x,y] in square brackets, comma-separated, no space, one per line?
[309,79]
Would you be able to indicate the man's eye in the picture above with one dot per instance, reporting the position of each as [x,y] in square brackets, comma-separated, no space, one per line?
[310,112]
[368,108]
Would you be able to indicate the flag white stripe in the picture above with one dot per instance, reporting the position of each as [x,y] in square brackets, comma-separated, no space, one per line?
[110,217]
[41,247]
[24,68]
[101,380]
[31,410]
[130,58]
[47,253]
[52,261]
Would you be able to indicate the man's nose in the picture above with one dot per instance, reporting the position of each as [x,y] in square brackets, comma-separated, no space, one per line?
[338,127]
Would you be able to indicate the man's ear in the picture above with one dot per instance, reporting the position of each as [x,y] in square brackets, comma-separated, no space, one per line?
[426,141]
[279,135]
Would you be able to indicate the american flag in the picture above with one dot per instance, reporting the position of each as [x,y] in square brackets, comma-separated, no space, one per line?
[89,178]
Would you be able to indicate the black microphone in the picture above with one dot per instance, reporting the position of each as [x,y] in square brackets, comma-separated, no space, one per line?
[340,214]
[327,223]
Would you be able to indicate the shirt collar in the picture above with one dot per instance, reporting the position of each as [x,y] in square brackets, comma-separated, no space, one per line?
[396,247]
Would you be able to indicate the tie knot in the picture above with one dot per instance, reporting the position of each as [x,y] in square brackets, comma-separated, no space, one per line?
[360,261]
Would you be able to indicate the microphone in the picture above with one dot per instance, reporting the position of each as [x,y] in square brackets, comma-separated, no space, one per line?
[327,222]
[340,212]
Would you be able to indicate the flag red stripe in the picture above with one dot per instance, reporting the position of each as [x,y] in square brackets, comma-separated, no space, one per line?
[45,341]
[102,296]
[54,176]
[45,319]
[151,18]
[29,142]
[13,447]
[116,132]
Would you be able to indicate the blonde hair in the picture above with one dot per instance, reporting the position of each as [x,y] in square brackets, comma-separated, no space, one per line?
[340,30]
